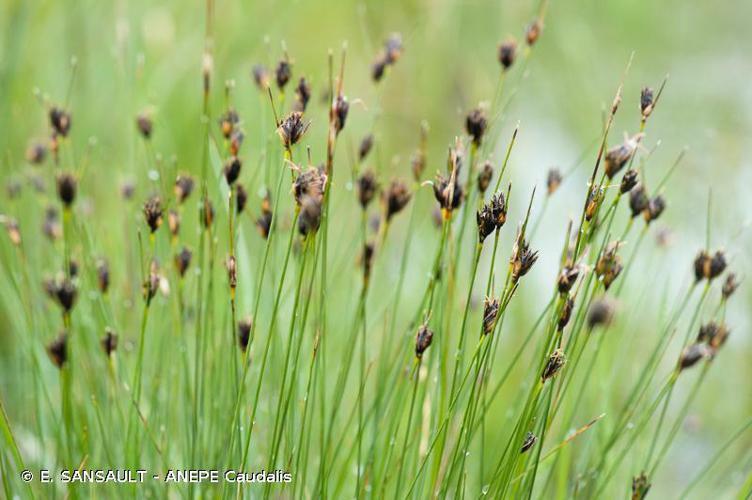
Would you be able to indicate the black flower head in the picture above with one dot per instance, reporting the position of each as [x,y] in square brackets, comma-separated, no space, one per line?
[476,124]
[499,208]
[309,218]
[36,153]
[638,200]
[367,186]
[241,198]
[60,120]
[103,275]
[692,354]
[66,188]
[283,73]
[310,182]
[601,312]
[365,147]
[145,125]
[522,259]
[264,221]
[228,122]
[109,341]
[490,311]
[646,101]
[64,291]
[618,156]
[58,350]
[553,180]
[153,213]
[396,198]
[183,260]
[609,265]
[567,278]
[341,109]
[423,340]
[532,32]
[507,53]
[244,333]
[655,208]
[183,187]
[486,222]
[302,94]
[628,181]
[566,314]
[260,76]
[555,362]
[729,286]
[484,176]
[292,129]
[529,442]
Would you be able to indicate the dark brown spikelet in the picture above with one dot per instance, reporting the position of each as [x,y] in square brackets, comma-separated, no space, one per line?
[507,53]
[173,222]
[241,198]
[367,187]
[646,102]
[309,218]
[640,486]
[692,354]
[618,156]
[292,129]
[228,121]
[655,208]
[423,340]
[396,198]
[628,181]
[73,268]
[499,208]
[555,361]
[717,264]
[522,258]
[702,265]
[484,176]
[51,226]
[103,275]
[232,271]
[264,221]
[528,443]
[476,124]
[283,73]
[486,222]
[236,140]
[63,290]
[232,169]
[729,286]
[109,341]
[595,197]
[393,48]
[638,200]
[311,182]
[366,144]
[144,125]
[601,312]
[182,260]
[60,121]
[260,76]
[14,232]
[302,94]
[66,188]
[714,335]
[609,265]
[533,31]
[58,350]
[378,68]
[183,187]
[244,333]
[566,314]
[341,110]
[153,213]
[369,249]
[448,191]
[567,278]
[553,181]
[490,311]
[206,213]
[36,153]
[151,283]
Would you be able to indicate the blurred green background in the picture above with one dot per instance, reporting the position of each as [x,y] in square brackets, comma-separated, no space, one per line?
[136,55]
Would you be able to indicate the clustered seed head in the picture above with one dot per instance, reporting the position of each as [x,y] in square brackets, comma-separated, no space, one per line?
[51,226]
[367,187]
[244,333]
[236,140]
[729,286]
[618,156]
[58,350]
[709,267]
[484,176]
[507,53]
[555,361]
[533,31]
[264,221]
[60,121]
[173,222]
[302,94]
[566,314]
[609,265]
[389,56]
[528,443]
[490,312]
[423,340]
[283,73]
[714,335]
[418,164]
[309,218]
[232,169]
[692,354]
[655,208]
[151,283]
[369,249]
[486,222]
[499,209]
[153,213]
[241,198]
[109,341]
[522,258]
[366,144]
[260,76]
[640,486]
[476,124]
[292,129]
[646,102]
[567,278]
[595,197]
[448,192]
[145,125]
[601,313]
[628,181]
[232,271]
[36,153]
[395,198]
[66,188]
[341,108]
[14,232]
[553,180]
[182,260]
[228,121]
[103,275]
[311,182]
[206,213]
[638,200]
[62,290]
[183,187]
